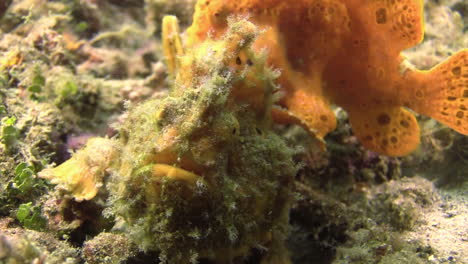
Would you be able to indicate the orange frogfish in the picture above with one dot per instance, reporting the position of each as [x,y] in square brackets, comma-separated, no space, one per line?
[347,52]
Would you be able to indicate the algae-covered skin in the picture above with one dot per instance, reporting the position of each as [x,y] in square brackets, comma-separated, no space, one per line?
[99,251]
[228,190]
[199,173]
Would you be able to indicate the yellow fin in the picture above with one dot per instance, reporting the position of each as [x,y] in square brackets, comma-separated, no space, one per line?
[442,93]
[84,173]
[313,110]
[392,131]
[283,116]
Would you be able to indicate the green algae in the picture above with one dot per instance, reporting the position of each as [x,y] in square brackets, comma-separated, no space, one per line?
[245,169]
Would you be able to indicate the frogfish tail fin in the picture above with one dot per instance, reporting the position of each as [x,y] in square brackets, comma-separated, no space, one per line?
[442,92]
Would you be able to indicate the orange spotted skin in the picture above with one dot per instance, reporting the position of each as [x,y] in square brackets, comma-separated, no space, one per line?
[347,52]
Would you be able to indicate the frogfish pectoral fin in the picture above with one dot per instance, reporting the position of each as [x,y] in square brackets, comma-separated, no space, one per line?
[283,116]
[392,131]
[85,172]
[313,110]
